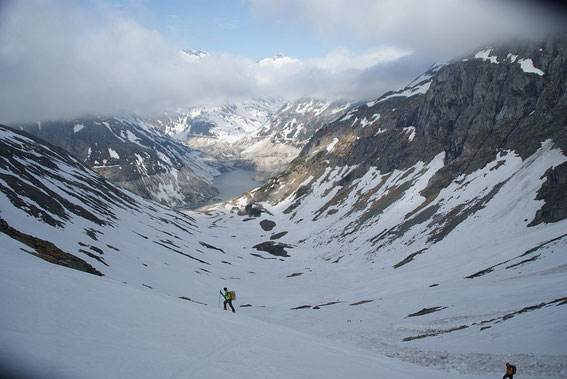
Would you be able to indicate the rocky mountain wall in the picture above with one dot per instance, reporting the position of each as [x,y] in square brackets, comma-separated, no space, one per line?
[499,99]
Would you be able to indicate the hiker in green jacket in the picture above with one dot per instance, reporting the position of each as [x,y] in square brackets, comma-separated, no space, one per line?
[227,299]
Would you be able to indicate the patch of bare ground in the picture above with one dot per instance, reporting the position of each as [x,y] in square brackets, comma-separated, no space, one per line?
[193,301]
[294,274]
[426,311]
[301,307]
[208,246]
[272,248]
[522,262]
[47,250]
[278,235]
[409,258]
[361,302]
[486,324]
[259,256]
[434,333]
[165,244]
[442,226]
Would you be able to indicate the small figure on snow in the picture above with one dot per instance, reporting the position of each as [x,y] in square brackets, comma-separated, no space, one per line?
[510,371]
[228,297]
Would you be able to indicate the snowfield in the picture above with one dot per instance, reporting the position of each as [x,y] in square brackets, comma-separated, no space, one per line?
[88,327]
[493,290]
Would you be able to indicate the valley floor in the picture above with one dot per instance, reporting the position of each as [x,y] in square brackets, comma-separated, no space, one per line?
[430,319]
[101,328]
[301,316]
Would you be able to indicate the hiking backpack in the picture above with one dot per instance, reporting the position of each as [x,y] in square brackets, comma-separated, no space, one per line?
[513,369]
[232,295]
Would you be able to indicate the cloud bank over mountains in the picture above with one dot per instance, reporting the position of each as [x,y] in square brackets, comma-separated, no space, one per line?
[441,28]
[61,59]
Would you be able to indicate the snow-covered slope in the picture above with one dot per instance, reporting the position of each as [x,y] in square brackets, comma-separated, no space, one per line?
[131,152]
[262,134]
[141,300]
[66,324]
[440,210]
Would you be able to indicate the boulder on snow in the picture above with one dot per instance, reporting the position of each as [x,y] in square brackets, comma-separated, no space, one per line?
[267,225]
[273,248]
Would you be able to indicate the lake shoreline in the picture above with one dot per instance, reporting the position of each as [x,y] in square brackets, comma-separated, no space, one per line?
[230,184]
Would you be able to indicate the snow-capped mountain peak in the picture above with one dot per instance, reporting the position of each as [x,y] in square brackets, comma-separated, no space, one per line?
[194,54]
[277,61]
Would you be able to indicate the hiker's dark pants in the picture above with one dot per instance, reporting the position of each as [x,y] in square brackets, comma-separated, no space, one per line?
[229,303]
[511,376]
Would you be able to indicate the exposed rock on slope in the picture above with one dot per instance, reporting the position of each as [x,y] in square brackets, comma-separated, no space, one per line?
[296,121]
[135,155]
[58,209]
[261,134]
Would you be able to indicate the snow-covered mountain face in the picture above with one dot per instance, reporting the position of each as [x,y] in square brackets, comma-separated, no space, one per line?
[296,121]
[262,134]
[134,154]
[425,228]
[227,123]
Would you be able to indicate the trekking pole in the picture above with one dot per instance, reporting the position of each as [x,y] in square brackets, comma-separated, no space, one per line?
[219,299]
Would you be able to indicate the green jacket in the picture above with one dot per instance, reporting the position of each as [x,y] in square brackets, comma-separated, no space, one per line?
[227,295]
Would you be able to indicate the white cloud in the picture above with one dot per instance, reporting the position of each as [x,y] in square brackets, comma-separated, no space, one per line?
[436,27]
[60,60]
[342,59]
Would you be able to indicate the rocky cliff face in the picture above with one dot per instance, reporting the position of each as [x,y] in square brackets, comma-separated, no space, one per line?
[133,154]
[406,151]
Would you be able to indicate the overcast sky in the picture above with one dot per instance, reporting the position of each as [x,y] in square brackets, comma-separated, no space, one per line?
[62,58]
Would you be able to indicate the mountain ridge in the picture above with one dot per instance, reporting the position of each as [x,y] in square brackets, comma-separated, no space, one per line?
[426,227]
[134,154]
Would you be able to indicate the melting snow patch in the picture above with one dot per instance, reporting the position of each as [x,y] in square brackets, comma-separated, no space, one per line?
[132,137]
[78,127]
[485,56]
[164,158]
[408,92]
[512,57]
[380,131]
[364,122]
[347,116]
[332,145]
[113,154]
[411,131]
[528,66]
